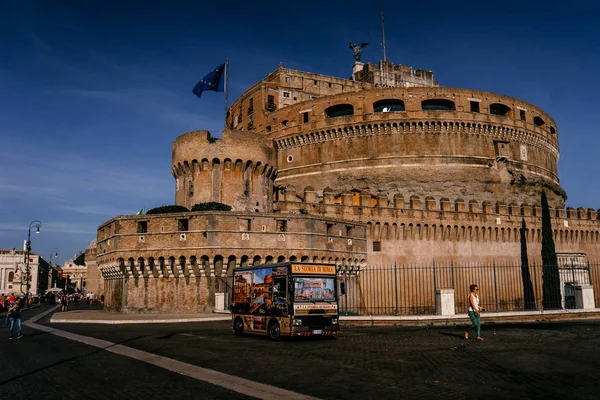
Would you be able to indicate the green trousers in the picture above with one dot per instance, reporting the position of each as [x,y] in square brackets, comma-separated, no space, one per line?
[475,322]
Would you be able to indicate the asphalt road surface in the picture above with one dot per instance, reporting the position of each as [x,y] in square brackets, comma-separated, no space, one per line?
[206,361]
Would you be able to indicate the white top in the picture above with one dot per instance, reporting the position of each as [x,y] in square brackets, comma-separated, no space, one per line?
[474,301]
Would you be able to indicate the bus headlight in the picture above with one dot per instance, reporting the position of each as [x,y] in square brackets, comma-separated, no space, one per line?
[334,321]
[297,322]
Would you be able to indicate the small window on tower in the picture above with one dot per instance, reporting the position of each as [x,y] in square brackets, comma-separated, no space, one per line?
[182,225]
[305,117]
[376,246]
[286,95]
[474,106]
[281,225]
[142,227]
[522,114]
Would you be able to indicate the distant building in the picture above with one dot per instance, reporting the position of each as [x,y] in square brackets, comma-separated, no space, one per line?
[13,272]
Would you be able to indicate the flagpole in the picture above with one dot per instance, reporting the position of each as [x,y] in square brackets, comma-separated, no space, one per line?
[226,89]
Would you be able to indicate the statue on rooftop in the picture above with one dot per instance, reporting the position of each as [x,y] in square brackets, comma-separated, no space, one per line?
[357,50]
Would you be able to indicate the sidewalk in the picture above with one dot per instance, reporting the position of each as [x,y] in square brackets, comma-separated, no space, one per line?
[95,315]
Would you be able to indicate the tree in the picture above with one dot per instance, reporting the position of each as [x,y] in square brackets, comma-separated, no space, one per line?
[80,259]
[551,278]
[211,206]
[167,209]
[528,294]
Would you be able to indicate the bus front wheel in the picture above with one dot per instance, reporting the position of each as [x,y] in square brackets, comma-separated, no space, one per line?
[238,327]
[274,331]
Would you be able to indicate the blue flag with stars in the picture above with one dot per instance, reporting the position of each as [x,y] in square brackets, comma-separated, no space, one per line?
[212,81]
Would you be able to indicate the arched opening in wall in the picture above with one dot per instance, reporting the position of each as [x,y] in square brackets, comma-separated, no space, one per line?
[315,259]
[305,259]
[194,264]
[131,265]
[151,265]
[538,121]
[437,105]
[268,128]
[269,259]
[293,258]
[231,260]
[388,105]
[141,265]
[244,261]
[11,276]
[256,260]
[339,110]
[552,130]
[227,165]
[280,259]
[182,265]
[205,265]
[171,265]
[218,263]
[161,265]
[500,109]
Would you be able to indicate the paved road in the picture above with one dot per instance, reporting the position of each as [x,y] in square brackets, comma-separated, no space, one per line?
[551,361]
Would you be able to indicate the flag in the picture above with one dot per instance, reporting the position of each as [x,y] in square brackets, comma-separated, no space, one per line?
[212,81]
[141,212]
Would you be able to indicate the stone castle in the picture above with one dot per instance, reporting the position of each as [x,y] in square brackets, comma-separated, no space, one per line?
[385,167]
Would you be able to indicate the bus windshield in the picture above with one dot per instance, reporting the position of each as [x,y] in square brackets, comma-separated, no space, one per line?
[314,288]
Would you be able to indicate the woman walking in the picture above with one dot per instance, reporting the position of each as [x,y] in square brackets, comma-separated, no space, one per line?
[14,316]
[474,311]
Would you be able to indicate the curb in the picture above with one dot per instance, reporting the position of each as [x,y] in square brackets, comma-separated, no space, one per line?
[133,321]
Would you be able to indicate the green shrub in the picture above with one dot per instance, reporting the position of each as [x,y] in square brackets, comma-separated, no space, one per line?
[211,206]
[167,209]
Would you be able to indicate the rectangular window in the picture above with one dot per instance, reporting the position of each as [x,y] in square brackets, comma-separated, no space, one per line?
[251,107]
[474,106]
[329,84]
[245,224]
[190,188]
[142,227]
[305,117]
[182,225]
[522,115]
[281,225]
[287,79]
[329,229]
[286,95]
[315,82]
[376,246]
[348,230]
[270,103]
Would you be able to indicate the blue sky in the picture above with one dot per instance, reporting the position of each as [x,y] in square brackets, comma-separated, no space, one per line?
[93,93]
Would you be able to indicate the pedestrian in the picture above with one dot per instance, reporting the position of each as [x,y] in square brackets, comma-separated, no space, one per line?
[11,299]
[14,315]
[474,312]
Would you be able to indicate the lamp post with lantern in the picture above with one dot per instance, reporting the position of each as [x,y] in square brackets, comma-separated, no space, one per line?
[37,225]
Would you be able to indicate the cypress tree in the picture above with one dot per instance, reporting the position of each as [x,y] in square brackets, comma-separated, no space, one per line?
[528,294]
[550,275]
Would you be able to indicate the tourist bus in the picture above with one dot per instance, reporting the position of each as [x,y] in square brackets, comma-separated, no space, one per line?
[285,299]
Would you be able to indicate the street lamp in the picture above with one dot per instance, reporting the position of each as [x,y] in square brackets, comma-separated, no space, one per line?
[37,225]
[53,254]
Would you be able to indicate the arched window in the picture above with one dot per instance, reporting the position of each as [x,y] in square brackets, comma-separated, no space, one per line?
[11,276]
[388,105]
[538,121]
[552,130]
[500,109]
[340,110]
[437,105]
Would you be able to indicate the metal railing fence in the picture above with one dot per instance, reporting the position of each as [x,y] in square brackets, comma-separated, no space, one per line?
[410,290]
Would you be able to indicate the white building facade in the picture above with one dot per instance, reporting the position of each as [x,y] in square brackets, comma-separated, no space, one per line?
[13,274]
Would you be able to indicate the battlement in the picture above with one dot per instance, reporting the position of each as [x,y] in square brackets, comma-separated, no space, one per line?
[363,205]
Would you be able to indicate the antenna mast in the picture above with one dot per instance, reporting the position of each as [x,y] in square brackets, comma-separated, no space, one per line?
[383,30]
